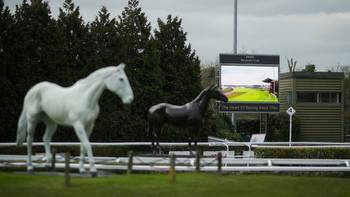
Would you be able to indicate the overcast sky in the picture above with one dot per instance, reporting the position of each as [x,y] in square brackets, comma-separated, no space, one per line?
[310,31]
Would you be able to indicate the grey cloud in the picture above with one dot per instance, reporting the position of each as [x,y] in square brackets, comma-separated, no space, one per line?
[292,7]
[312,31]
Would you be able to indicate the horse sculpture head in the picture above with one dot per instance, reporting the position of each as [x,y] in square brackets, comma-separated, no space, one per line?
[217,94]
[118,83]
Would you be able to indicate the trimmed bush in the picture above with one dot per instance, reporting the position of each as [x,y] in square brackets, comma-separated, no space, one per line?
[278,125]
[303,153]
[228,134]
[108,151]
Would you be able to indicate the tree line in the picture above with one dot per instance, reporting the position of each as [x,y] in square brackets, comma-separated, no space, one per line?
[35,47]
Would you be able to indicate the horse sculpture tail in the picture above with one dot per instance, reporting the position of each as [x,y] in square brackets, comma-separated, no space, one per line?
[21,128]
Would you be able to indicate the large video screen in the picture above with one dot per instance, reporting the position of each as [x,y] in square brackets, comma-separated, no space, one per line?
[250,84]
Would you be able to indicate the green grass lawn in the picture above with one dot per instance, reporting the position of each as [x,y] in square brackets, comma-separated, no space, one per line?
[187,184]
[251,94]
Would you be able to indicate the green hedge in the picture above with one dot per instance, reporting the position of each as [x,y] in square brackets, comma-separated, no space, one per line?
[304,153]
[75,150]
[105,151]
[301,153]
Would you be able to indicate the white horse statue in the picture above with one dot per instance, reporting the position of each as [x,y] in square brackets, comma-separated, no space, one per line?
[76,106]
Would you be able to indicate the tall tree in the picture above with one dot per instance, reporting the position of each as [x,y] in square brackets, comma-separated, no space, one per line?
[8,94]
[142,68]
[74,42]
[35,47]
[309,68]
[106,43]
[35,31]
[291,65]
[180,65]
[134,31]
[106,52]
[6,39]
[28,40]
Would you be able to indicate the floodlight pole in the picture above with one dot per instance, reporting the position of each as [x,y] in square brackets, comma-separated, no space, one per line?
[234,47]
[235,27]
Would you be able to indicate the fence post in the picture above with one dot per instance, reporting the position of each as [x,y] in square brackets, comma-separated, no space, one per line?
[53,160]
[172,170]
[130,162]
[219,162]
[198,160]
[67,170]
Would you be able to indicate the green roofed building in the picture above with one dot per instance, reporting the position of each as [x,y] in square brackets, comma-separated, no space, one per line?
[318,98]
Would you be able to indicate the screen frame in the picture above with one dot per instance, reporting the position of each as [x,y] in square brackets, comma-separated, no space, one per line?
[257,61]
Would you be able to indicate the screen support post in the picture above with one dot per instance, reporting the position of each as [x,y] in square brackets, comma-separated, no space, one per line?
[233,121]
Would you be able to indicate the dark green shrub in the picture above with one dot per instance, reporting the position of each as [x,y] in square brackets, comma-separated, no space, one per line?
[278,127]
[248,126]
[110,151]
[303,153]
[228,134]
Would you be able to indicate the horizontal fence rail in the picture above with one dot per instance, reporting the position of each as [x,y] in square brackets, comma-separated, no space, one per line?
[221,143]
[206,165]
[108,144]
[149,162]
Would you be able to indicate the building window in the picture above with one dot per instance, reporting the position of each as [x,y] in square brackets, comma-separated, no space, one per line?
[329,97]
[318,97]
[306,97]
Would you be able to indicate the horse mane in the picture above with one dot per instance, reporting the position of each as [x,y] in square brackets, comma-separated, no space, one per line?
[202,93]
[98,74]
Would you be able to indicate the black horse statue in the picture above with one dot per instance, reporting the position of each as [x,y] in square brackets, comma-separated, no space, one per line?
[189,115]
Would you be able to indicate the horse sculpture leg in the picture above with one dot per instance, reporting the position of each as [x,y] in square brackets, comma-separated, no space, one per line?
[195,137]
[82,159]
[80,131]
[150,136]
[158,133]
[30,132]
[83,151]
[154,133]
[154,143]
[189,144]
[50,130]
